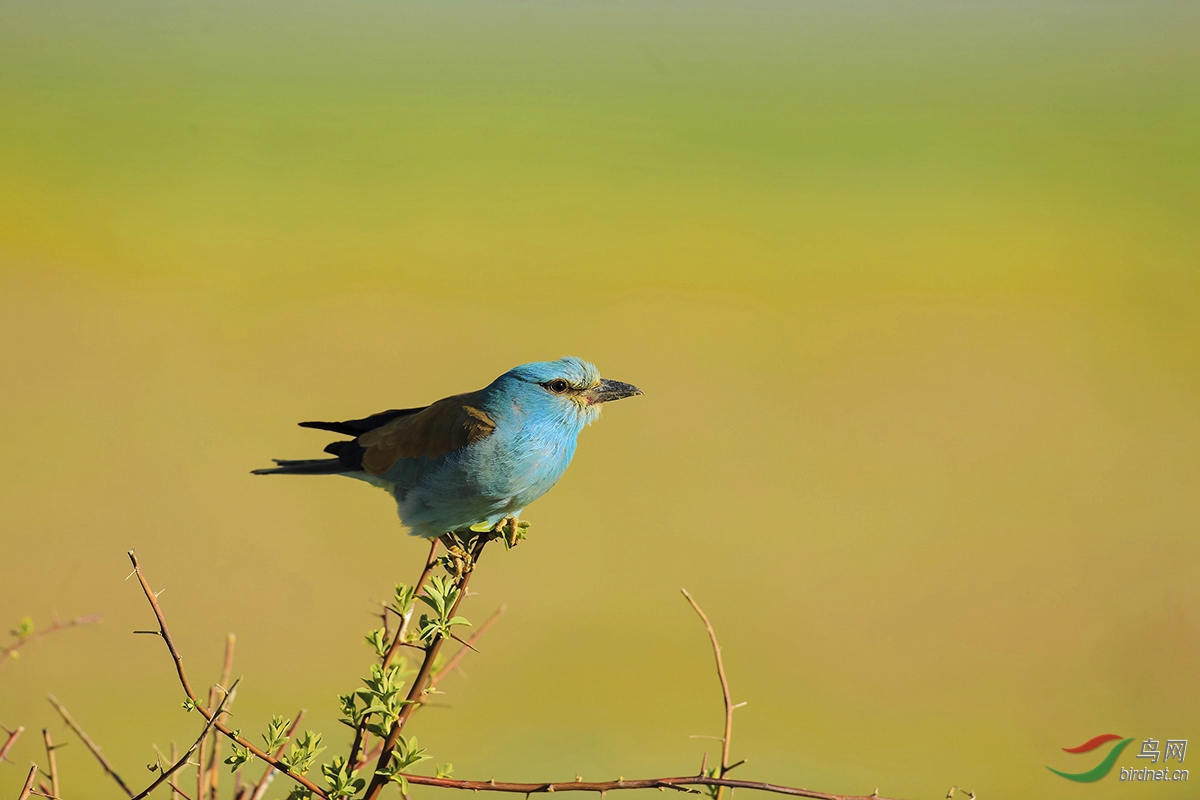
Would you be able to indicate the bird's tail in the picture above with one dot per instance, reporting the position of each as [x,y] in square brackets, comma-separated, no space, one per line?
[312,466]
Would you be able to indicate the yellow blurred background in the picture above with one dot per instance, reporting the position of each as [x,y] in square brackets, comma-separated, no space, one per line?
[912,289]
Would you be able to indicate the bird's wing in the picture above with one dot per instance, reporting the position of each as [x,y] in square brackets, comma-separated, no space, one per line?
[355,427]
[443,427]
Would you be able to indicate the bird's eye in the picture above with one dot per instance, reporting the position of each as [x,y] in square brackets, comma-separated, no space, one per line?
[558,386]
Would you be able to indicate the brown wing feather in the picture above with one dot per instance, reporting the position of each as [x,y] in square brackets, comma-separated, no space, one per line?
[443,427]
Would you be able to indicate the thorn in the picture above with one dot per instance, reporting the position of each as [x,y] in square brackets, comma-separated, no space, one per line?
[703,763]
[159,592]
[130,575]
[744,702]
[578,778]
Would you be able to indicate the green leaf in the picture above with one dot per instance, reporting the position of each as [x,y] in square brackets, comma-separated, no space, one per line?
[403,600]
[340,779]
[303,753]
[241,755]
[276,735]
[378,640]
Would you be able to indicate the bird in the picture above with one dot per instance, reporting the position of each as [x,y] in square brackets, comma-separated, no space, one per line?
[474,460]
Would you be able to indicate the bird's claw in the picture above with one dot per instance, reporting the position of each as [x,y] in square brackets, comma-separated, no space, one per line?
[457,560]
[511,530]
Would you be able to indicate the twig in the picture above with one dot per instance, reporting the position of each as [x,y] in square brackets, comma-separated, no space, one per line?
[28,787]
[89,744]
[173,781]
[453,662]
[51,761]
[436,677]
[214,761]
[205,712]
[360,733]
[10,741]
[166,774]
[11,650]
[622,783]
[402,630]
[260,788]
[716,646]
[417,690]
[201,773]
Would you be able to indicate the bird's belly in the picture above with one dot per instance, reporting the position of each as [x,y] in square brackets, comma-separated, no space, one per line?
[472,486]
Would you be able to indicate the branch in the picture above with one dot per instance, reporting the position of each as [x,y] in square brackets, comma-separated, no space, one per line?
[172,782]
[166,774]
[10,741]
[11,650]
[360,733]
[729,706]
[89,744]
[28,787]
[417,690]
[469,644]
[621,783]
[260,788]
[214,759]
[205,712]
[436,677]
[421,684]
[51,761]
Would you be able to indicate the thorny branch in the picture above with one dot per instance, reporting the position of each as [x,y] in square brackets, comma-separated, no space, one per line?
[28,787]
[725,695]
[417,690]
[89,744]
[445,670]
[51,761]
[204,710]
[12,650]
[260,788]
[621,783]
[173,780]
[452,664]
[424,682]
[213,771]
[360,733]
[166,774]
[13,735]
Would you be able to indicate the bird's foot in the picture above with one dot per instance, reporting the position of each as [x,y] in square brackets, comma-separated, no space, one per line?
[511,530]
[458,560]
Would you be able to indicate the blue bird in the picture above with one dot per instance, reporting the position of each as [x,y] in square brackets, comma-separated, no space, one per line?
[471,459]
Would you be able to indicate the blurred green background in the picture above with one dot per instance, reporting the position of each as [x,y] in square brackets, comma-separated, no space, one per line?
[912,289]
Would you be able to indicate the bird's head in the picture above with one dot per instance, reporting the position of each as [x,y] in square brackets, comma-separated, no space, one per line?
[570,385]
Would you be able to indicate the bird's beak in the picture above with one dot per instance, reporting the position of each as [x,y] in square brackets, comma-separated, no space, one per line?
[607,390]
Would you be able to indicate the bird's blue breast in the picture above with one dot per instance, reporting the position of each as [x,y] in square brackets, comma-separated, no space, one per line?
[521,460]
